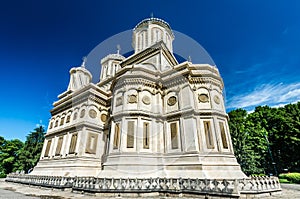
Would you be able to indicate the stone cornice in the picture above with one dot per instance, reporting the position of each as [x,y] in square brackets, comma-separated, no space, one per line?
[74,127]
[171,115]
[206,80]
[91,92]
[148,52]
[113,57]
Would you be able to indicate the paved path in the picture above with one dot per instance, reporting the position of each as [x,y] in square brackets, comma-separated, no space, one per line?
[18,191]
[11,194]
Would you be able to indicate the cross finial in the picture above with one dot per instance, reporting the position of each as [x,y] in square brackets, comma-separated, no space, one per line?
[83,62]
[118,49]
[151,15]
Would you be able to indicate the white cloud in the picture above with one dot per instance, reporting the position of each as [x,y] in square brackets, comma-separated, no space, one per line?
[274,95]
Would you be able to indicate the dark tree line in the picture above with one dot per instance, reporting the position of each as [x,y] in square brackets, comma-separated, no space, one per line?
[18,156]
[267,141]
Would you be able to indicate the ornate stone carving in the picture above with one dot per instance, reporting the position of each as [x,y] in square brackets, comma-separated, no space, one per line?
[103,117]
[132,98]
[203,97]
[172,101]
[92,113]
[217,99]
[146,100]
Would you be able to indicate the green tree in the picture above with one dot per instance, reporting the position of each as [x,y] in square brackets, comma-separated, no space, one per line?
[31,151]
[248,142]
[239,134]
[285,137]
[268,139]
[9,154]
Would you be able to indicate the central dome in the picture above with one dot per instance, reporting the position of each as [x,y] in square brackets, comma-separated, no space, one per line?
[152,20]
[150,31]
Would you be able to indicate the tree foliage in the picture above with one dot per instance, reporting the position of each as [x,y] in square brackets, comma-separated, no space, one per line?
[9,154]
[31,151]
[268,139]
[16,155]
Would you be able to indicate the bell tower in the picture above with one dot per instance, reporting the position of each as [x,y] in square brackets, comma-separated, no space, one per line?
[79,77]
[151,31]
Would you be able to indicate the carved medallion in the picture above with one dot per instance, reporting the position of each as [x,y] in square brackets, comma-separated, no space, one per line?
[92,113]
[146,100]
[132,98]
[203,97]
[103,117]
[217,99]
[82,113]
[119,101]
[172,101]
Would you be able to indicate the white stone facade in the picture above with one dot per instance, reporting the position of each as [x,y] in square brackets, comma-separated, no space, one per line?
[148,116]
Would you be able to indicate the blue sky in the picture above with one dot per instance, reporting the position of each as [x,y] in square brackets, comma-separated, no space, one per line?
[255,44]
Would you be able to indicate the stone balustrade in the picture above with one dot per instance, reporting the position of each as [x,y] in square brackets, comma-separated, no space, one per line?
[232,188]
[44,181]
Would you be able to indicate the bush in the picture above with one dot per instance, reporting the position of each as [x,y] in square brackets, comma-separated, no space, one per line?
[291,177]
[2,175]
[284,181]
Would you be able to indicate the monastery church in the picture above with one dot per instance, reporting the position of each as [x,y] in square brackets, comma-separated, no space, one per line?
[148,116]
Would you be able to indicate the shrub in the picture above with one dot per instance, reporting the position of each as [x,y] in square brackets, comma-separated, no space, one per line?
[294,177]
[284,181]
[2,175]
[291,177]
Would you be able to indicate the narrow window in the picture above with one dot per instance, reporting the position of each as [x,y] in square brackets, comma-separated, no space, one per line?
[142,40]
[68,119]
[174,135]
[75,116]
[47,148]
[146,135]
[223,135]
[56,123]
[73,143]
[59,145]
[62,121]
[130,134]
[208,135]
[91,144]
[117,136]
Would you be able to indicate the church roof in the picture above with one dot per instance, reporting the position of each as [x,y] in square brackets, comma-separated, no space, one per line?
[154,20]
[112,56]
